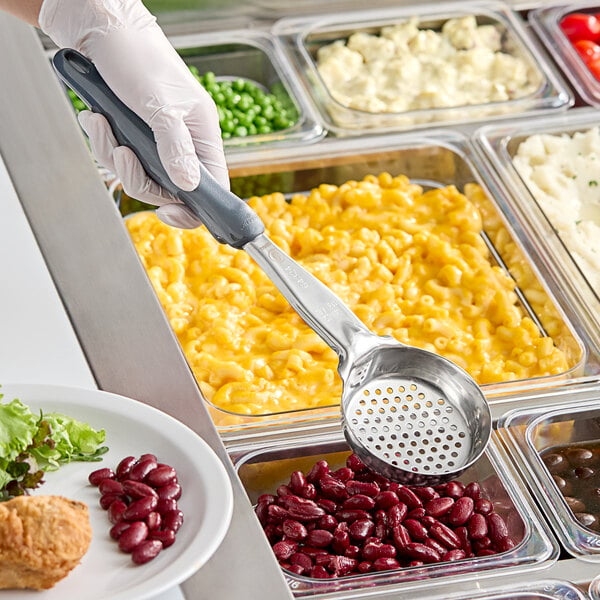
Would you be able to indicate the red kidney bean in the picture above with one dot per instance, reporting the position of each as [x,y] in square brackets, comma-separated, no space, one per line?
[319,572]
[428,520]
[473,490]
[140,509]
[153,520]
[266,499]
[344,474]
[416,530]
[124,467]
[454,489]
[385,564]
[416,563]
[146,551]
[378,550]
[465,541]
[294,530]
[361,529]
[319,538]
[297,482]
[352,551]
[166,536]
[141,468]
[296,569]
[359,501]
[172,519]
[436,546]
[505,544]
[301,559]
[284,549]
[332,488]
[497,527]
[396,514]
[439,506]
[323,559]
[385,500]
[107,499]
[351,514]
[148,456]
[341,540]
[118,528]
[95,477]
[342,565]
[421,552]
[486,552]
[400,536]
[168,504]
[260,510]
[329,506]
[461,511]
[426,493]
[416,513]
[456,554]
[319,469]
[409,497]
[110,486]
[354,463]
[364,566]
[309,491]
[137,489]
[171,490]
[134,535]
[303,509]
[482,544]
[444,535]
[483,506]
[368,488]
[284,490]
[116,510]
[314,553]
[477,526]
[328,522]
[161,476]
[380,516]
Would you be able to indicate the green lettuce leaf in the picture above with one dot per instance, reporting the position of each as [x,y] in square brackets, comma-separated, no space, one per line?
[18,425]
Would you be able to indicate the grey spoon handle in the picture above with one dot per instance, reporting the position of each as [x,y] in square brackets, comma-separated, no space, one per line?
[227,217]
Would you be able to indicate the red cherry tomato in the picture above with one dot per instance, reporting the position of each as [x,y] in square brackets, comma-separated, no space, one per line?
[581,26]
[594,67]
[588,50]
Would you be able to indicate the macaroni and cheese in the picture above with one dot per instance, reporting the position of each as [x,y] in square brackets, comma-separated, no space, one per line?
[409,263]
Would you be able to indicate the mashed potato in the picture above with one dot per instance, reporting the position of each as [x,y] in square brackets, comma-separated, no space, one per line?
[563,174]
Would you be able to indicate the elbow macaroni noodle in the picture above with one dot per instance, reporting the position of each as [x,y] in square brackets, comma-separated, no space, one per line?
[409,263]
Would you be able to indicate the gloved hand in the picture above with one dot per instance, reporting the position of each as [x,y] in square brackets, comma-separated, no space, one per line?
[143,69]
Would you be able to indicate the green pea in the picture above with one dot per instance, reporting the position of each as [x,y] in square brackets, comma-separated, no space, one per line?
[252,130]
[260,121]
[264,129]
[209,78]
[240,131]
[239,85]
[227,125]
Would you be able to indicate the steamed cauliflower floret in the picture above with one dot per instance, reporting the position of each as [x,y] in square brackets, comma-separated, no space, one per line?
[406,68]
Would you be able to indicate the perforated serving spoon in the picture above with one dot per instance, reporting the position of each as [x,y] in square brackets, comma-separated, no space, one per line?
[409,414]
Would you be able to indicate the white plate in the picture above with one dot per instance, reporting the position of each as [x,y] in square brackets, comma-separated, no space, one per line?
[132,428]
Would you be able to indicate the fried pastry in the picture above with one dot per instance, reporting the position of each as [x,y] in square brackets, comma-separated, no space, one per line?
[42,538]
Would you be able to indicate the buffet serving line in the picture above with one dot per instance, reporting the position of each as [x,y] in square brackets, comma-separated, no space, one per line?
[89,316]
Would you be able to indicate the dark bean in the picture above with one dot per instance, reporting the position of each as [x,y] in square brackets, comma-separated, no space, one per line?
[319,469]
[439,506]
[154,521]
[461,512]
[368,488]
[575,504]
[497,528]
[473,490]
[385,564]
[416,513]
[364,566]
[477,526]
[416,530]
[361,529]
[301,559]
[284,549]
[360,501]
[580,457]
[483,506]
[505,544]
[584,472]
[140,509]
[354,463]
[396,514]
[134,535]
[409,498]
[565,487]
[110,486]
[146,551]
[342,565]
[455,489]
[421,552]
[556,463]
[344,474]
[352,551]
[426,493]
[319,538]
[328,522]
[284,490]
[107,499]
[95,477]
[587,520]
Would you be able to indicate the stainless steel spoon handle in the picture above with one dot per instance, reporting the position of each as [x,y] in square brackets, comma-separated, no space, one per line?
[320,308]
[227,217]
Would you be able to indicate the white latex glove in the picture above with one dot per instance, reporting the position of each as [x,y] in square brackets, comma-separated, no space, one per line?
[143,69]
